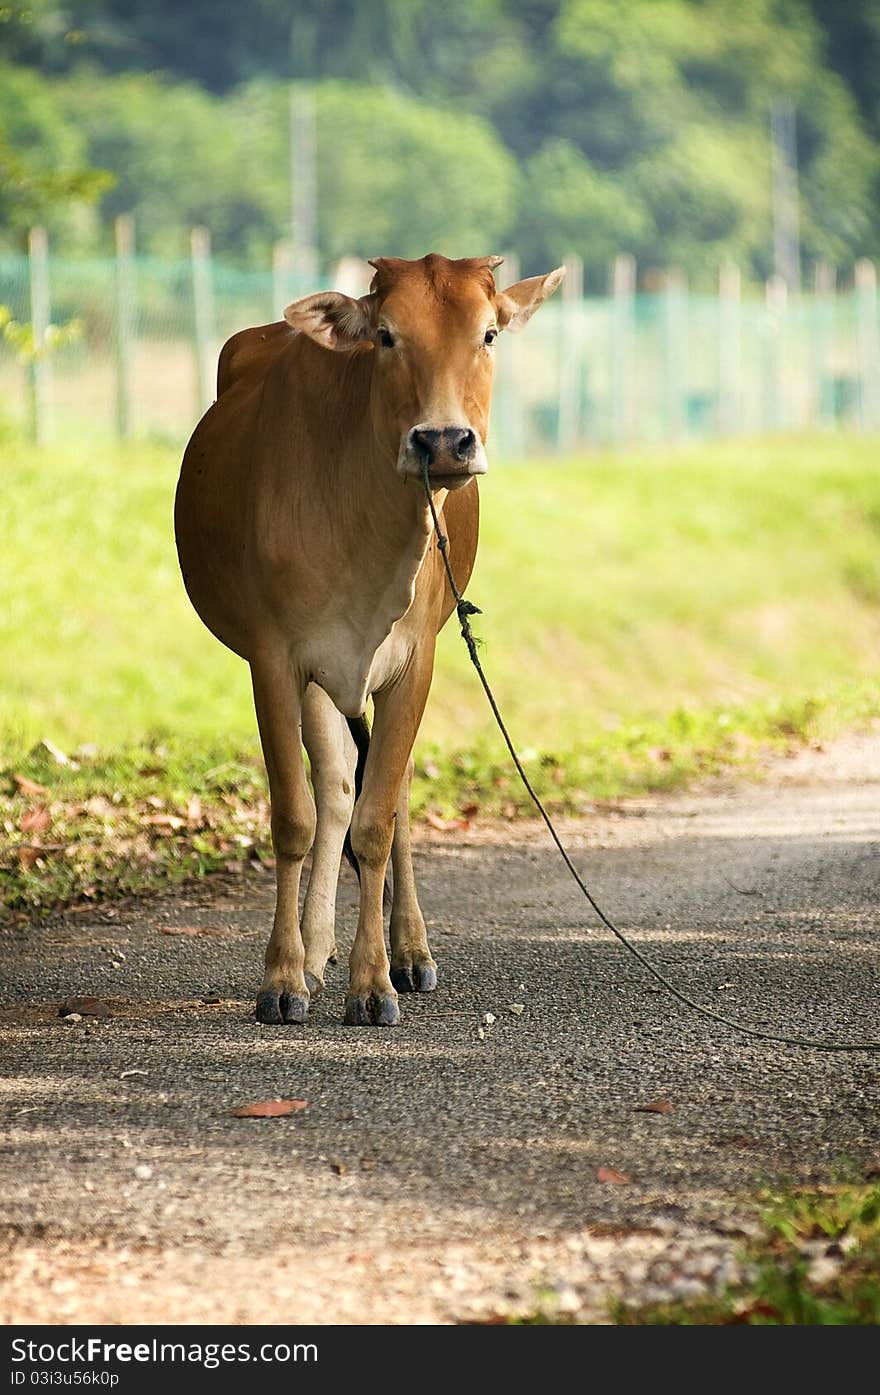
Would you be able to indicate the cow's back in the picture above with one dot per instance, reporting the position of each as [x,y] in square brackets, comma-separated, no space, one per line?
[213,493]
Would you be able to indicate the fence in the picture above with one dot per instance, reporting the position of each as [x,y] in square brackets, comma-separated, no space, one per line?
[589,372]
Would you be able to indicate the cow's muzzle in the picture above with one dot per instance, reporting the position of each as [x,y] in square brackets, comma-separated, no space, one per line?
[451,453]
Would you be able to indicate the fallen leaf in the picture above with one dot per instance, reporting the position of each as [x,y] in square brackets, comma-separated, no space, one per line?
[470,811]
[26,786]
[268,1109]
[36,820]
[170,821]
[608,1174]
[655,1107]
[28,857]
[99,807]
[86,1007]
[194,811]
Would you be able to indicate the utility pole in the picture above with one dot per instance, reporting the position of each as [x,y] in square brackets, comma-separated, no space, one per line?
[786,231]
[303,188]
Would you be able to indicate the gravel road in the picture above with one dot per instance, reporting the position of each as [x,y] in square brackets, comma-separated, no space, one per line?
[446,1170]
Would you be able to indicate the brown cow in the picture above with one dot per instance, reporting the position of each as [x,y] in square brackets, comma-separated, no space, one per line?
[306,546]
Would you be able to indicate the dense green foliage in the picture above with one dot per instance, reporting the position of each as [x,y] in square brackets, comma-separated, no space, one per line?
[541,126]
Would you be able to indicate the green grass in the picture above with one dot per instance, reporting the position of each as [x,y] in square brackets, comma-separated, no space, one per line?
[840,1224]
[648,619]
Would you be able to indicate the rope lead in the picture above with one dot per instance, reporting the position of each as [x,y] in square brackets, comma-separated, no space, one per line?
[465,609]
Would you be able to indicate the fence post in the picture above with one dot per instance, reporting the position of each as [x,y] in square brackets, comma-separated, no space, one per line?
[203,316]
[304,188]
[623,285]
[729,349]
[571,364]
[511,407]
[824,278]
[776,300]
[124,230]
[282,278]
[40,369]
[675,355]
[868,344]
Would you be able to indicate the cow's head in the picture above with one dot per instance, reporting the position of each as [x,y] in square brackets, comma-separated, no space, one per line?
[431,325]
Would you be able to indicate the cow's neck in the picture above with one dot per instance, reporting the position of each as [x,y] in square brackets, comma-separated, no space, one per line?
[393,538]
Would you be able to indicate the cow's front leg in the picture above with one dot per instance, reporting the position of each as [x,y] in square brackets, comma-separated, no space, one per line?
[284,996]
[413,969]
[399,707]
[333,758]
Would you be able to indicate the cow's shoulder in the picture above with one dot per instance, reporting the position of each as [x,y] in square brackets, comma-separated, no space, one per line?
[251,351]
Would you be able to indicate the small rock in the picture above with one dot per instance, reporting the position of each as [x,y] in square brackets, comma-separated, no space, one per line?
[143,1172]
[73,1017]
[489,1019]
[517,1009]
[481,1034]
[86,1007]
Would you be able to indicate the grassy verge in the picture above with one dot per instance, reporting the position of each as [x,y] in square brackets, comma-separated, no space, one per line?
[648,620]
[817,1264]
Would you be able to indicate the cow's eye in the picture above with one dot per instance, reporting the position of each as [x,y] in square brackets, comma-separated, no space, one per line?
[490,336]
[386,338]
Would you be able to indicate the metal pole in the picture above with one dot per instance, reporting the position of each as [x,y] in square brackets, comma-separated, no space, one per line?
[40,369]
[203,316]
[124,229]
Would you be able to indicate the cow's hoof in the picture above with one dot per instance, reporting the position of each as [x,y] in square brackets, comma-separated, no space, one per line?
[374,1010]
[281,1008]
[313,984]
[415,978]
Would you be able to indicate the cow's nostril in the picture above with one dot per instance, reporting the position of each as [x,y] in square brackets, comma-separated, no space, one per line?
[424,443]
[465,444]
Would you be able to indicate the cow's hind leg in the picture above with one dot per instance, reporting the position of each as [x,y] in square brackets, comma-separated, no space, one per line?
[332,757]
[413,969]
[284,996]
[371,994]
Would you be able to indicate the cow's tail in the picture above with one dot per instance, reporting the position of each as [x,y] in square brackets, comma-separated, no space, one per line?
[360,732]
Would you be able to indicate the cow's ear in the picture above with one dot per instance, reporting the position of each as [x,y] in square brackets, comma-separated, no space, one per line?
[516,306]
[332,319]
